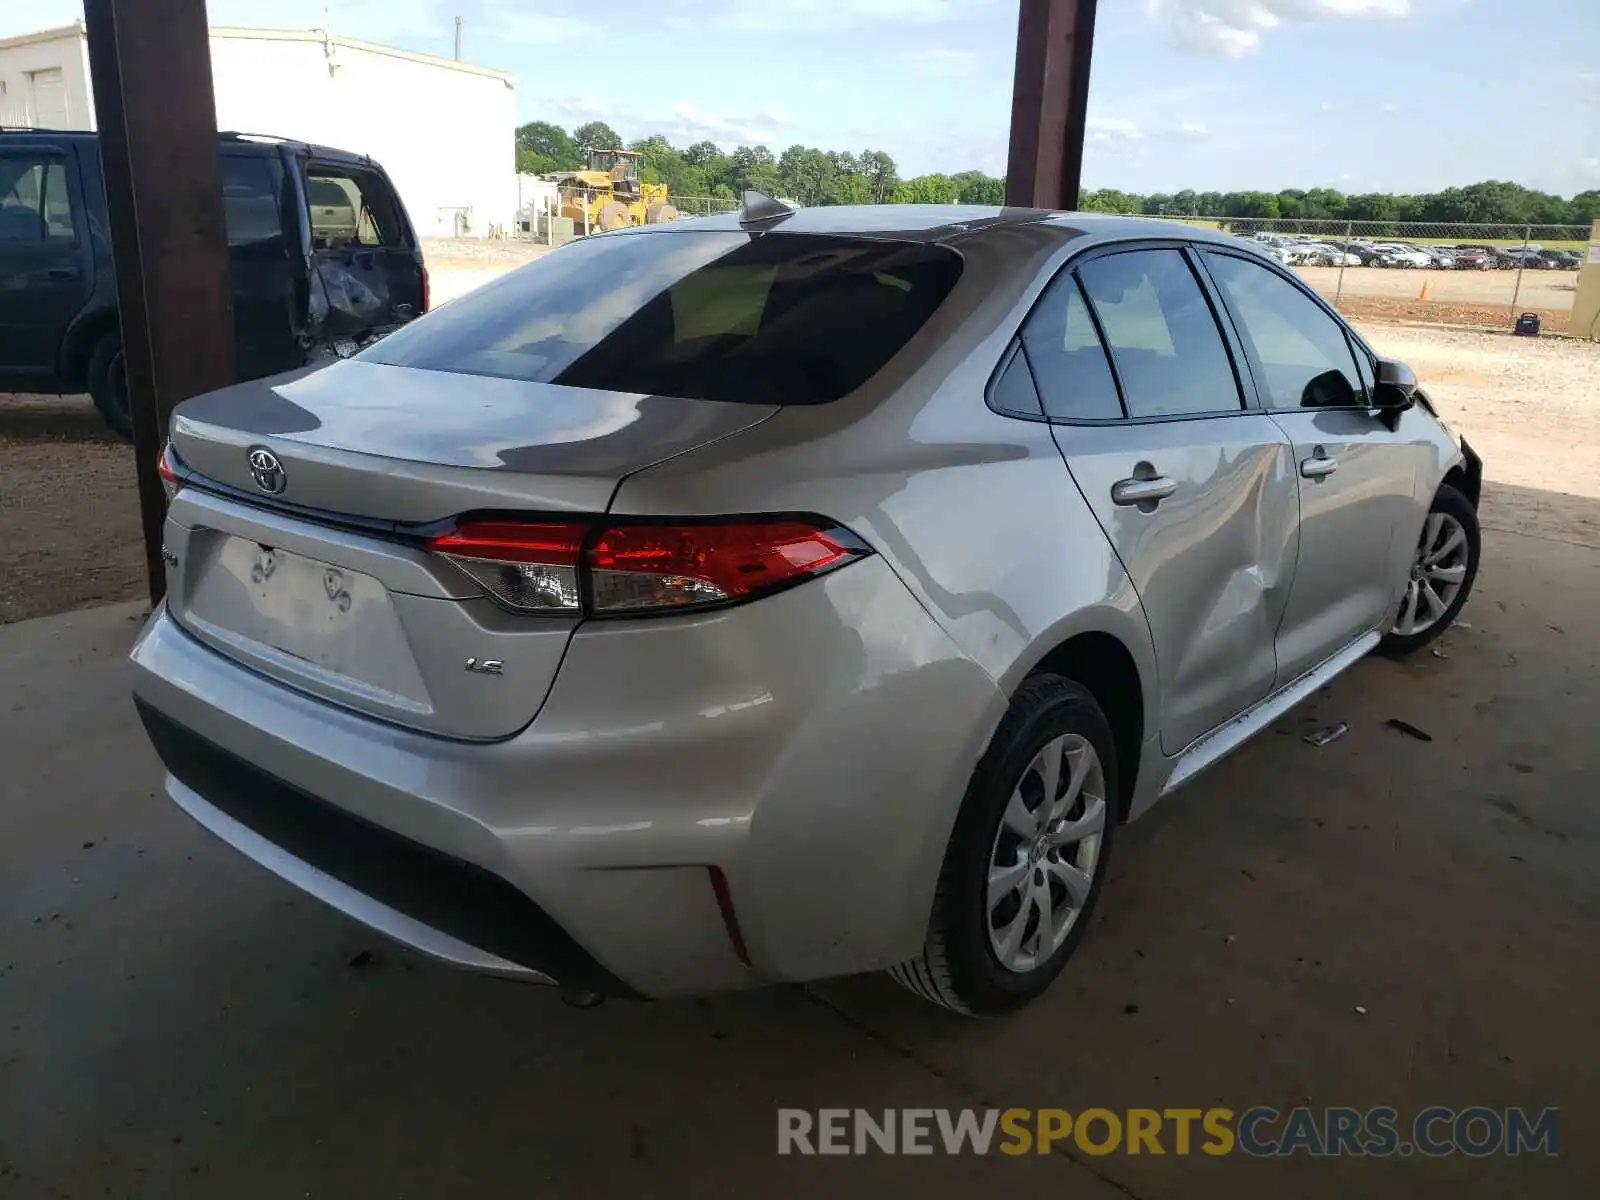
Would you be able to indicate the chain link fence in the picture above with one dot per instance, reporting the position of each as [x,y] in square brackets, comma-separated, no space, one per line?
[1474,274]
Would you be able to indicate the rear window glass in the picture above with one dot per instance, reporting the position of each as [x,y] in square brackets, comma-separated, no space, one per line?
[351,207]
[770,319]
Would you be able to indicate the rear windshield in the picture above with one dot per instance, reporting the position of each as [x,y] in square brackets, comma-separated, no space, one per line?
[765,319]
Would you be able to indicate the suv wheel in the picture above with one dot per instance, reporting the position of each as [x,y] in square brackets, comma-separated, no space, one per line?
[1443,569]
[108,384]
[1027,858]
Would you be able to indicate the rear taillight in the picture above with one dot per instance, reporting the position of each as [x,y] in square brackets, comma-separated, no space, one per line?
[525,566]
[167,467]
[628,569]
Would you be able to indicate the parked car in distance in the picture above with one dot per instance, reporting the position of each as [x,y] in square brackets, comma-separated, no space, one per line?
[1440,257]
[1528,258]
[324,261]
[1321,254]
[1367,254]
[1402,254]
[668,626]
[1473,258]
[1562,260]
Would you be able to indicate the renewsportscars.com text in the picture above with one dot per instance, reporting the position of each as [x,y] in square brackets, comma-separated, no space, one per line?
[1260,1132]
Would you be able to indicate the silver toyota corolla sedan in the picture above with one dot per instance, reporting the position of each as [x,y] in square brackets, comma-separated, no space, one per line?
[785,595]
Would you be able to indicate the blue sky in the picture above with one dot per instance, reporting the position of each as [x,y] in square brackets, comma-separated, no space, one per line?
[1362,95]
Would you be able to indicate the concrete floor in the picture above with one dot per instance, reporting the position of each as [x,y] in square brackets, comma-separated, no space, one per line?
[175,1022]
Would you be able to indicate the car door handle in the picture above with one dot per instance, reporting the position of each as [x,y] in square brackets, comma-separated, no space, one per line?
[1142,491]
[1318,465]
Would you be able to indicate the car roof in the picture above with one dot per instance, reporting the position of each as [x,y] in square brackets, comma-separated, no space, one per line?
[943,222]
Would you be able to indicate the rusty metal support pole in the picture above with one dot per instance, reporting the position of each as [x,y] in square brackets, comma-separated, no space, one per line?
[1522,262]
[1344,253]
[150,61]
[1049,103]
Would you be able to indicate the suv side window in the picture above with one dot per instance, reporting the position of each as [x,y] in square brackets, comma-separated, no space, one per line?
[249,201]
[1068,360]
[1303,351]
[35,205]
[1163,337]
[350,207]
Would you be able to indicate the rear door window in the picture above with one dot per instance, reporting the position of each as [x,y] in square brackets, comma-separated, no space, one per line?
[35,205]
[771,319]
[1162,334]
[351,207]
[249,202]
[1068,358]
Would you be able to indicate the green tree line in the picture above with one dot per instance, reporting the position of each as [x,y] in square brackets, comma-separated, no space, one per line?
[812,177]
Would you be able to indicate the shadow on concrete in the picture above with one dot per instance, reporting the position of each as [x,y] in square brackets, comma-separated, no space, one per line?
[173,1021]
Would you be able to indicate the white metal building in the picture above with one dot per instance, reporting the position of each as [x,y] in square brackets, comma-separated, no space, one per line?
[443,130]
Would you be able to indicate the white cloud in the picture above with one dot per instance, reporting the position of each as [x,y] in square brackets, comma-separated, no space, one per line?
[682,122]
[1388,108]
[1233,28]
[934,62]
[771,16]
[1193,130]
[512,23]
[1112,129]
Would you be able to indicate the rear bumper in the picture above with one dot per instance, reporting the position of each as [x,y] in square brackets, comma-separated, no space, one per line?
[812,747]
[448,908]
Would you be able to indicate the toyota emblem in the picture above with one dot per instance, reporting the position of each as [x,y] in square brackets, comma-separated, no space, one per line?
[267,471]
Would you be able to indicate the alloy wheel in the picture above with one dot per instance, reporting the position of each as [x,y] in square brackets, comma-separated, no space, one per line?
[1438,571]
[1046,852]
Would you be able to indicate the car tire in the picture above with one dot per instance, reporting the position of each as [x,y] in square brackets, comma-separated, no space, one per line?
[1444,566]
[1006,826]
[108,384]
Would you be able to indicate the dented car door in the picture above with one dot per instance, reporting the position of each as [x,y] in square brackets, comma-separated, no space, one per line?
[1195,490]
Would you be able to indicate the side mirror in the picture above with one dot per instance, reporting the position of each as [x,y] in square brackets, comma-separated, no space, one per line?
[1396,386]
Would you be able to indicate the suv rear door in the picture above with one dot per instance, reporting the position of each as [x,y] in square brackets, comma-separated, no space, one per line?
[1195,490]
[368,264]
[255,200]
[45,268]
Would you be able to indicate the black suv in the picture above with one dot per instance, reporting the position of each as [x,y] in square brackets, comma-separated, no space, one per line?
[324,261]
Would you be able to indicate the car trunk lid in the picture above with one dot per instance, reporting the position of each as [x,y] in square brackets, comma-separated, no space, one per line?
[315,572]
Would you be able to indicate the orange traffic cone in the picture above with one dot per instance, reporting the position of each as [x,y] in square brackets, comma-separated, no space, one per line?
[1423,295]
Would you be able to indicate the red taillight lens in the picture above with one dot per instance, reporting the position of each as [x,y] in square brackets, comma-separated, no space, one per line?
[632,569]
[644,567]
[167,468]
[529,567]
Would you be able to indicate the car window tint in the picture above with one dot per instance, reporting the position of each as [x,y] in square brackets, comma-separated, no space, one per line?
[1014,391]
[1303,351]
[1068,361]
[351,207]
[249,202]
[1165,342]
[35,205]
[777,319]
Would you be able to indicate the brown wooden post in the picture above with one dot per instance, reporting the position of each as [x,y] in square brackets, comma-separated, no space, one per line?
[1049,103]
[150,61]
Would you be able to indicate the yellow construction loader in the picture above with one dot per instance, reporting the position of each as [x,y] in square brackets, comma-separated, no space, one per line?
[609,194]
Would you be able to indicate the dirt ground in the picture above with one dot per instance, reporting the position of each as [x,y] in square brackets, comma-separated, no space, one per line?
[1379,921]
[69,520]
[1492,299]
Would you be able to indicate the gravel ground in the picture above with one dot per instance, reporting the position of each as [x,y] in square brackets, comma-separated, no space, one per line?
[69,522]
